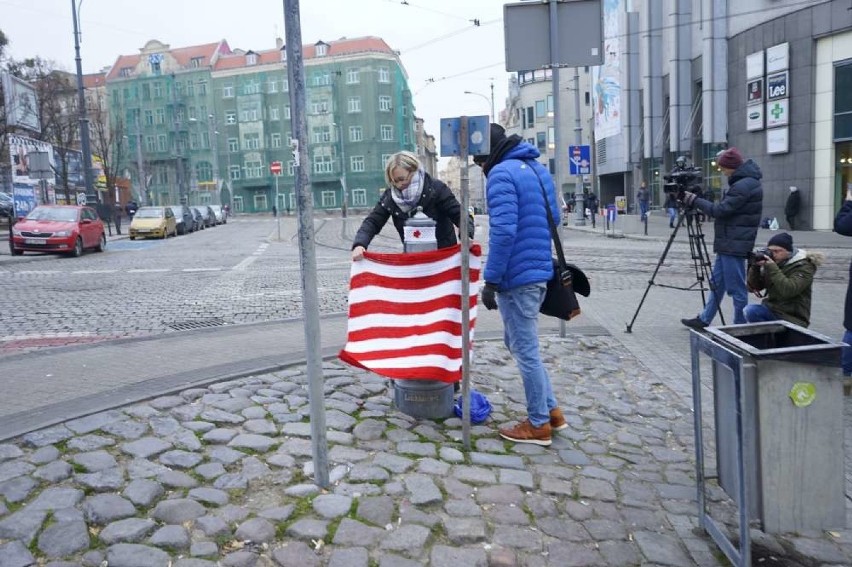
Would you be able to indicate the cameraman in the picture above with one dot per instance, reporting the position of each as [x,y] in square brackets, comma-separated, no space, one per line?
[787,275]
[737,217]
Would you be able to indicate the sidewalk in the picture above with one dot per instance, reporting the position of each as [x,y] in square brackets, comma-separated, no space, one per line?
[215,463]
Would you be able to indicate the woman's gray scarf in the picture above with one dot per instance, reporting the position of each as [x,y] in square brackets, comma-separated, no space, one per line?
[406,199]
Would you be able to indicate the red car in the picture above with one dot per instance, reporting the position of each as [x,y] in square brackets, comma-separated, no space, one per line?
[58,228]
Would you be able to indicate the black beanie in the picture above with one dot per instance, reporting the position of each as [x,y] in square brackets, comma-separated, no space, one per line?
[498,134]
[783,240]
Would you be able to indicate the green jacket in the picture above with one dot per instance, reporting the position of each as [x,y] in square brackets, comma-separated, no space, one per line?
[788,285]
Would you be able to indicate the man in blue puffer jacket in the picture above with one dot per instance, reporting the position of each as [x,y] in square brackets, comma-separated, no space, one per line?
[737,217]
[518,268]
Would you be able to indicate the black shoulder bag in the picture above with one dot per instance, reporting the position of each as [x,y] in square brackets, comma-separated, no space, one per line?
[560,300]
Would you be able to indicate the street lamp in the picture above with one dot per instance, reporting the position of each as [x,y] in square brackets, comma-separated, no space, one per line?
[81,103]
[491,100]
[342,166]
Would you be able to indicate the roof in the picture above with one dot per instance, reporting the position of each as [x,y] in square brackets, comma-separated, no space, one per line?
[94,80]
[208,53]
[344,46]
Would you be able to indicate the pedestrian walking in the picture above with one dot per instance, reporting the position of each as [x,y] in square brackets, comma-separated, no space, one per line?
[791,207]
[671,207]
[594,204]
[737,217]
[643,198]
[518,269]
[130,208]
[116,217]
[105,213]
[274,211]
[410,188]
[843,225]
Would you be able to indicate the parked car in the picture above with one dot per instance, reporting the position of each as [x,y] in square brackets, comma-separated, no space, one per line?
[158,222]
[7,205]
[219,212]
[198,216]
[184,219]
[207,213]
[68,229]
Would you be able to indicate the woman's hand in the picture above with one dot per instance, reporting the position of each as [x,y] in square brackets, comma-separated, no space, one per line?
[358,253]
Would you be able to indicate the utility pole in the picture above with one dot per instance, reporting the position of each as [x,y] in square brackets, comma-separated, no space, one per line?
[307,249]
[342,169]
[81,103]
[579,203]
[214,139]
[140,167]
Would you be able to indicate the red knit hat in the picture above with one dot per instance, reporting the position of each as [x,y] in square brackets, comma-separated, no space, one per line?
[730,158]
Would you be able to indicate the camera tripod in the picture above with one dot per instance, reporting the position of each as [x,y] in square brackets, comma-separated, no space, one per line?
[700,261]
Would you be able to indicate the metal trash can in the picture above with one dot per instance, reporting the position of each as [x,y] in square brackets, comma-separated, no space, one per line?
[429,399]
[791,392]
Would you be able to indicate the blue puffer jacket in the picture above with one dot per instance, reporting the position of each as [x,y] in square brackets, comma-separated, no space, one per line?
[737,215]
[519,245]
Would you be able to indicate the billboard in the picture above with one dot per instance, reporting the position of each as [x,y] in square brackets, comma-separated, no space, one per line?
[606,79]
[21,103]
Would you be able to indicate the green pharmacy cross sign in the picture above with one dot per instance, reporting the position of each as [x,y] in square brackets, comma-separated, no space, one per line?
[776,111]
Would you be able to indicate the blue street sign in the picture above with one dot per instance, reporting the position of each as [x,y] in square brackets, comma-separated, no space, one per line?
[478,139]
[611,213]
[580,160]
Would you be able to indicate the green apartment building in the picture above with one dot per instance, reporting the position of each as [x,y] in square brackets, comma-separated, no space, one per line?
[204,123]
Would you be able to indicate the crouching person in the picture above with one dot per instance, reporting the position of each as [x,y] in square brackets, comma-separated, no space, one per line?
[786,274]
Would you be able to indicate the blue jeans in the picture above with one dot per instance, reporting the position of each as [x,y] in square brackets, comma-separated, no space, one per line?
[846,356]
[672,215]
[728,277]
[757,313]
[519,311]
[643,210]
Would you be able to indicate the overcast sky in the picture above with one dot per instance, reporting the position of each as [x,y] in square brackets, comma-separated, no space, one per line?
[443,51]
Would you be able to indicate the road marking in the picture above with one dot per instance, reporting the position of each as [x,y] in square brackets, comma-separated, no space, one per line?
[148,270]
[243,266]
[94,271]
[202,269]
[39,272]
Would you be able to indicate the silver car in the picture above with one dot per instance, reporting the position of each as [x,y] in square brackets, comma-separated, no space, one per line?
[221,217]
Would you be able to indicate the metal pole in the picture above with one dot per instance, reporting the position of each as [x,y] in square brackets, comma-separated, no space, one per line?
[557,137]
[579,202]
[81,103]
[211,125]
[140,168]
[465,281]
[307,251]
[493,119]
[342,169]
[278,214]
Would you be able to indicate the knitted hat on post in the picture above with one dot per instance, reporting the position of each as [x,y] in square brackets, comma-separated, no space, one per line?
[783,240]
[730,158]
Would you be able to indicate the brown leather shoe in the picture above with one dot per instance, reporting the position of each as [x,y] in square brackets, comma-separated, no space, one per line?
[524,432]
[557,420]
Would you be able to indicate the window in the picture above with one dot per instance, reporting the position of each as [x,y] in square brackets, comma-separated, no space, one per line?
[359,197]
[319,106]
[551,137]
[190,88]
[125,72]
[150,144]
[162,143]
[286,84]
[384,103]
[272,87]
[291,168]
[550,105]
[354,104]
[283,53]
[251,58]
[228,91]
[195,62]
[162,176]
[322,161]
[356,134]
[233,145]
[386,132]
[356,163]
[251,142]
[529,117]
[540,108]
[385,158]
[275,140]
[155,60]
[254,169]
[384,75]
[158,90]
[321,134]
[192,113]
[353,76]
[287,112]
[146,92]
[193,141]
[260,202]
[230,117]
[588,98]
[322,79]
[234,172]
[202,88]
[329,199]
[249,115]
[149,118]
[322,49]
[204,171]
[205,140]
[161,116]
[251,87]
[273,113]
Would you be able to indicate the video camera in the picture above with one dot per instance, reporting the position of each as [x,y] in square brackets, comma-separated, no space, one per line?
[682,178]
[759,255]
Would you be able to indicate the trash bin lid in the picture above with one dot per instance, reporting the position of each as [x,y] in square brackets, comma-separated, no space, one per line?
[780,340]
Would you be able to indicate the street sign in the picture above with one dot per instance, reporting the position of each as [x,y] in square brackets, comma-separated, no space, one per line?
[275,168]
[580,160]
[478,136]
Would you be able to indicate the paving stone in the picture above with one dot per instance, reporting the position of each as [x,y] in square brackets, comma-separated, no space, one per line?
[176,479]
[193,562]
[331,506]
[225,455]
[369,430]
[521,538]
[166,402]
[408,539]
[422,490]
[433,467]
[219,436]
[93,558]
[143,492]
[599,489]
[210,470]
[199,426]
[474,475]
[212,526]
[136,555]
[15,554]
[9,451]
[277,513]
[820,550]
[232,513]
[349,557]
[500,494]
[660,548]
[45,455]
[524,479]
[577,554]
[146,447]
[451,455]
[12,469]
[171,537]
[260,426]
[53,472]
[377,510]
[353,532]
[465,507]
[17,489]
[296,429]
[131,530]
[464,531]
[392,560]
[296,554]
[56,498]
[308,529]
[502,461]
[219,416]
[102,509]
[415,448]
[103,481]
[49,436]
[257,530]
[229,481]
[209,496]
[367,473]
[127,429]
[239,559]
[340,454]
[180,459]
[178,511]
[204,549]
[254,468]
[64,538]
[22,525]
[93,422]
[281,460]
[445,556]
[186,440]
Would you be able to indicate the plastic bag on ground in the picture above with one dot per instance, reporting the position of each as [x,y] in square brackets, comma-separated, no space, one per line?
[480,407]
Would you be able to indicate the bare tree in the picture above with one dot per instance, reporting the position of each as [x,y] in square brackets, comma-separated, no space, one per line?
[108,141]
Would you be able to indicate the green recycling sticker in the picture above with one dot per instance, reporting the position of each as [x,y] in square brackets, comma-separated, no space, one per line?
[803,394]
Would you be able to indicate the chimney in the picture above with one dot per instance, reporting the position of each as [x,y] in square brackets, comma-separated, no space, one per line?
[279,43]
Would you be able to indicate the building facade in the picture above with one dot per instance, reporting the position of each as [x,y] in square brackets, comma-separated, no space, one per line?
[209,122]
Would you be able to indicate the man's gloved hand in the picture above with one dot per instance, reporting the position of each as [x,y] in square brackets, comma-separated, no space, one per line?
[689,198]
[489,299]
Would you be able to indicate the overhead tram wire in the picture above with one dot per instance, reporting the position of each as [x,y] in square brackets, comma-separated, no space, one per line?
[432,80]
[451,34]
[419,7]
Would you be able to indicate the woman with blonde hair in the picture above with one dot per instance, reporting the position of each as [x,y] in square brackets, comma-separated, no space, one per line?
[410,188]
